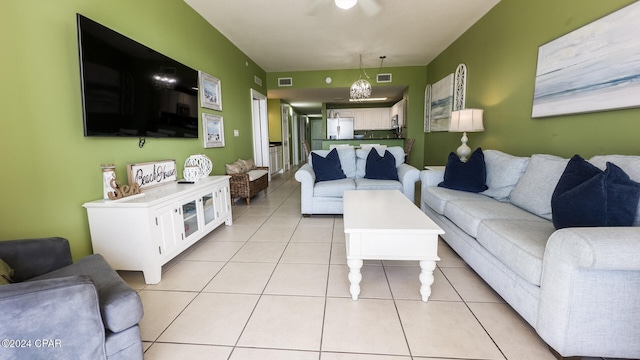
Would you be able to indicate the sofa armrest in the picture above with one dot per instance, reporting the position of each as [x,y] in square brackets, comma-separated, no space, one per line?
[32,257]
[596,248]
[589,292]
[307,178]
[51,319]
[120,305]
[430,178]
[305,174]
[408,176]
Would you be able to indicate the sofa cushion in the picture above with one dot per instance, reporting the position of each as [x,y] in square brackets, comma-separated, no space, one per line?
[256,174]
[588,196]
[533,191]
[362,154]
[630,165]
[327,168]
[438,197]
[468,215]
[381,167]
[333,188]
[347,157]
[120,305]
[519,244]
[465,176]
[376,184]
[503,173]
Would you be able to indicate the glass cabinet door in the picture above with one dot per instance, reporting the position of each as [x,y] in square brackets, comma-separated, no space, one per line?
[209,208]
[190,218]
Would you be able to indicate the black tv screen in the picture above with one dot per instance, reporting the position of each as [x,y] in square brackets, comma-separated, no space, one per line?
[129,89]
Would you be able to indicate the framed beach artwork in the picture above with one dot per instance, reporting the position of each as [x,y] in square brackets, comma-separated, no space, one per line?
[594,68]
[427,108]
[441,104]
[210,91]
[213,130]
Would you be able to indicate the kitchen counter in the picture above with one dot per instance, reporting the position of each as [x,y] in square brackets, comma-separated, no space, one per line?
[356,142]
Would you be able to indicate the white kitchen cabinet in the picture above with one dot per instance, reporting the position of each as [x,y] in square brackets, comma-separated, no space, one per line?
[399,109]
[143,232]
[372,118]
[275,159]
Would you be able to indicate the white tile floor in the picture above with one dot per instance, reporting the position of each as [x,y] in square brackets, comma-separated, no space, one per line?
[274,286]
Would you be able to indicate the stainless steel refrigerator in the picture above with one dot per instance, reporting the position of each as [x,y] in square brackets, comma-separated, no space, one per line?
[340,128]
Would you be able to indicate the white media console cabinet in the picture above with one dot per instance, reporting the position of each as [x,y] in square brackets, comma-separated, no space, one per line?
[145,231]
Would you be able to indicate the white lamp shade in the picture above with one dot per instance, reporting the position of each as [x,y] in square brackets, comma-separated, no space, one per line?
[345,4]
[466,120]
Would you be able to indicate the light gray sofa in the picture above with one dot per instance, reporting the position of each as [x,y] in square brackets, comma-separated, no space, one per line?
[57,309]
[325,197]
[578,287]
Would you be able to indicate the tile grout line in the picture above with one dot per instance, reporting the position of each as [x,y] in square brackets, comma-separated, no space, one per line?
[464,301]
[268,280]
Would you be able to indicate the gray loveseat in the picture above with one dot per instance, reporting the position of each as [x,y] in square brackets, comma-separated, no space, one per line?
[579,288]
[325,197]
[59,310]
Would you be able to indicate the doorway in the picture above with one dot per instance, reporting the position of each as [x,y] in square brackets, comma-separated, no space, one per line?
[295,139]
[316,134]
[260,128]
[286,137]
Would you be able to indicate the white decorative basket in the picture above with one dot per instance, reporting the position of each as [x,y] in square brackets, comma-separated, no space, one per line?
[201,161]
[192,173]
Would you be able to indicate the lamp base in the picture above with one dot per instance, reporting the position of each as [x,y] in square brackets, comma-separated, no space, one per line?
[464,150]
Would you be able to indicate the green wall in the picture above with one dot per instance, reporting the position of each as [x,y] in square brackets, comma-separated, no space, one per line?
[413,77]
[500,52]
[49,169]
[275,119]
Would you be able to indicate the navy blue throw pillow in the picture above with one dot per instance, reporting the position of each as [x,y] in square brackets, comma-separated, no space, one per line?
[327,168]
[380,167]
[468,176]
[588,196]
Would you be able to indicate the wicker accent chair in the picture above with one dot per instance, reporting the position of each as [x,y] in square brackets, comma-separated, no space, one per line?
[307,149]
[408,146]
[248,180]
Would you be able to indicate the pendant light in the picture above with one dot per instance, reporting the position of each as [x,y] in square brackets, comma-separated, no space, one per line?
[361,88]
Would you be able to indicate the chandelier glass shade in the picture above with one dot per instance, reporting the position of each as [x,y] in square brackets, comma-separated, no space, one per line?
[360,90]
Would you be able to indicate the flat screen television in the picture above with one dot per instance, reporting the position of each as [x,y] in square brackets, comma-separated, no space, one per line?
[129,89]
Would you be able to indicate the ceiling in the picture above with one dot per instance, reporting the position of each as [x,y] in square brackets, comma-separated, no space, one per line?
[302,35]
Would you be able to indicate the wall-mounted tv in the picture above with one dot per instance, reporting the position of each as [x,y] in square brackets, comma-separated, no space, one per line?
[129,89]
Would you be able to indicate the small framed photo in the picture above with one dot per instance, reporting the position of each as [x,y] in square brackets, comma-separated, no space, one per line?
[213,129]
[210,91]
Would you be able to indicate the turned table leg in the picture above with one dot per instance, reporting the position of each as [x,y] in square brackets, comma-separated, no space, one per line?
[354,277]
[426,278]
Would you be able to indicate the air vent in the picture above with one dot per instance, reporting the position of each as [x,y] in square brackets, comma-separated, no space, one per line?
[257,80]
[383,78]
[285,81]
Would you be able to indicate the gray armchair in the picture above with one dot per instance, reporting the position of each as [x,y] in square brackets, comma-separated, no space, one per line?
[57,309]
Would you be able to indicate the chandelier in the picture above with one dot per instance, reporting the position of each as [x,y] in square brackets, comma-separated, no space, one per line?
[361,88]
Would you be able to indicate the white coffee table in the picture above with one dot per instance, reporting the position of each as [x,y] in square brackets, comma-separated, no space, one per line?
[385,225]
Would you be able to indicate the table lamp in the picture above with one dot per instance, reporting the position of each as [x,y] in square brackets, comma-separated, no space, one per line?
[462,121]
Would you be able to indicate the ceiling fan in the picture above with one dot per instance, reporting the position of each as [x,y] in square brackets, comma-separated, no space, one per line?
[368,7]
